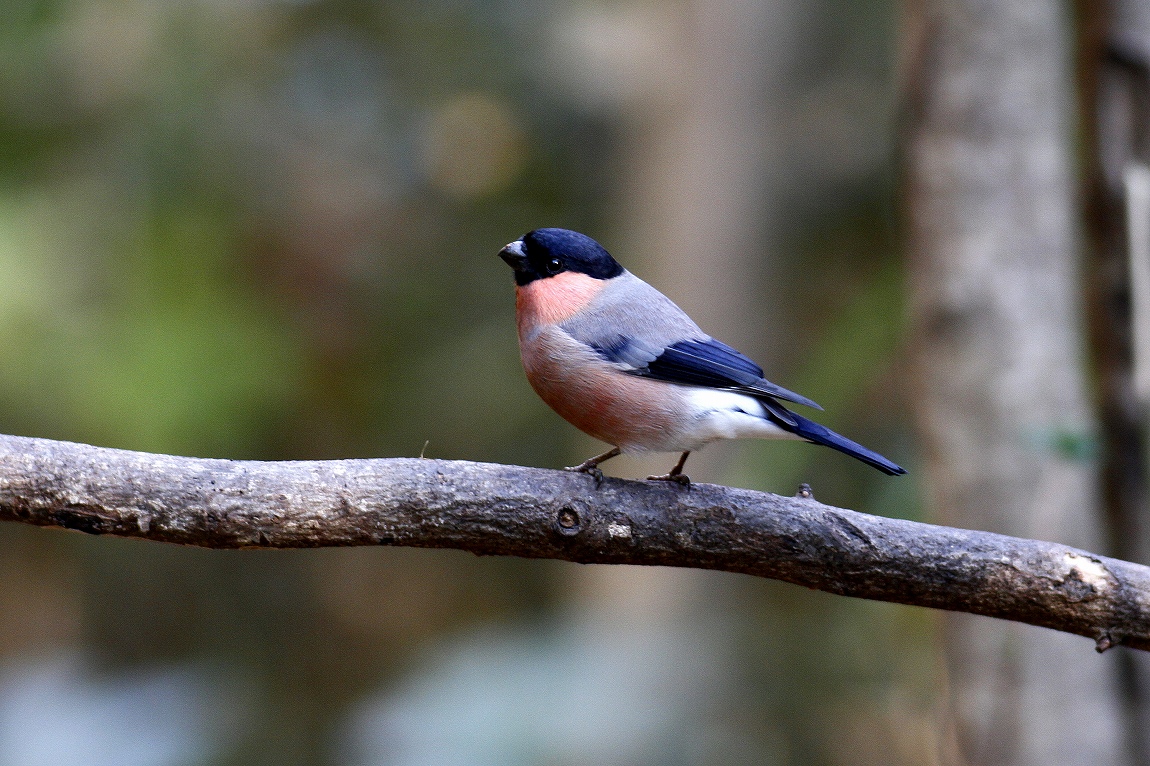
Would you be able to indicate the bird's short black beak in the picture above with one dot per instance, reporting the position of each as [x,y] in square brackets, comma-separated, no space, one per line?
[514,254]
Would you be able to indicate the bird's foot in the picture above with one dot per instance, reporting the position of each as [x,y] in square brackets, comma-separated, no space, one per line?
[681,479]
[589,467]
[676,475]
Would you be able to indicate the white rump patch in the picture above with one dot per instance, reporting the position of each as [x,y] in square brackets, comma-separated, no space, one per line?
[729,415]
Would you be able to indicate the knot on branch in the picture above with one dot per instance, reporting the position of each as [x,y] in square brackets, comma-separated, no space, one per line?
[568,522]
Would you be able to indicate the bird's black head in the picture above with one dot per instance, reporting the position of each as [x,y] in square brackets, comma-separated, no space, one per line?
[543,253]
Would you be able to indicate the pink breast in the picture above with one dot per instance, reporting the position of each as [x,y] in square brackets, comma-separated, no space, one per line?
[550,301]
[623,410]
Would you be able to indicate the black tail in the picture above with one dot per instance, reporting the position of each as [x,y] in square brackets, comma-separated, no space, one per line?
[812,431]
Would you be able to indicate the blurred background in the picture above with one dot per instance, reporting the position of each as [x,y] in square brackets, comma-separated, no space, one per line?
[268,229]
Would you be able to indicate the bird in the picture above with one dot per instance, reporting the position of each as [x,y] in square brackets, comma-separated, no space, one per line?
[620,361]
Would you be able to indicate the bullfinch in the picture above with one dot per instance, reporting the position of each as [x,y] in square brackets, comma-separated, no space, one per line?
[621,362]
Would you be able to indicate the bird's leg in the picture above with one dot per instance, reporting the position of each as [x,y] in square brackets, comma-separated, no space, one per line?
[676,475]
[591,466]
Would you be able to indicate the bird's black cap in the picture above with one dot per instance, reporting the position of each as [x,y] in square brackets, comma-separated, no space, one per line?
[543,253]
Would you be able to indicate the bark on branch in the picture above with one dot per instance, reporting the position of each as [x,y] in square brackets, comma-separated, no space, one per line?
[513,511]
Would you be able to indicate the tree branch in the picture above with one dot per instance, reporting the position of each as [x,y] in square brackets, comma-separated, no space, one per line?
[512,511]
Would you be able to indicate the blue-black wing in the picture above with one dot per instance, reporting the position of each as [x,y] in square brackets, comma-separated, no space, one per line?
[708,363]
[714,364]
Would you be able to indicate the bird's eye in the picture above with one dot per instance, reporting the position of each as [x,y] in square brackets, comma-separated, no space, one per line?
[554,265]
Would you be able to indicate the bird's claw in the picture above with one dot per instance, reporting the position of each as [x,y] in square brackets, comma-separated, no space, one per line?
[681,479]
[594,471]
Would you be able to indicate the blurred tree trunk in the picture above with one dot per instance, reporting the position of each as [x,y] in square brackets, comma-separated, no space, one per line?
[691,201]
[1002,409]
[1116,88]
[697,182]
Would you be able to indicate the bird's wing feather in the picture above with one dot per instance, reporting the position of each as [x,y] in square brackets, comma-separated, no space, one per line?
[629,353]
[709,363]
[713,363]
[662,342]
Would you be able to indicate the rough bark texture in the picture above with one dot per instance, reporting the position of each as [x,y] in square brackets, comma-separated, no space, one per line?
[507,510]
[1002,406]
